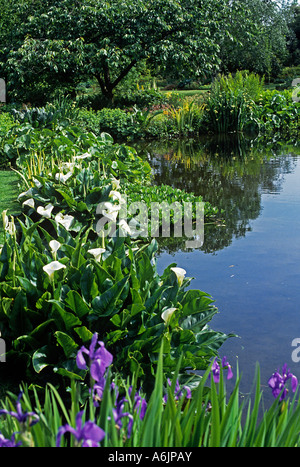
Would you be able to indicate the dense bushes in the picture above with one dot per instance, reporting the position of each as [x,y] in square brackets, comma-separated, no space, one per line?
[278,113]
[238,103]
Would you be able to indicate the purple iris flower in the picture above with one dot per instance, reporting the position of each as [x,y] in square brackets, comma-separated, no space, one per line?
[8,443]
[89,434]
[118,414]
[277,382]
[178,392]
[19,415]
[99,358]
[216,369]
[140,404]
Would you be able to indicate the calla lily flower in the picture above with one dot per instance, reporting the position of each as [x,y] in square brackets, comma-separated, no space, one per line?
[83,156]
[52,267]
[37,183]
[63,177]
[5,219]
[45,211]
[180,273]
[166,315]
[64,220]
[116,196]
[97,252]
[29,202]
[54,245]
[25,193]
[69,165]
[109,210]
[125,227]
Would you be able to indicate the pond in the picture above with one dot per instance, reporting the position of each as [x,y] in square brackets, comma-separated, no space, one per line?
[250,266]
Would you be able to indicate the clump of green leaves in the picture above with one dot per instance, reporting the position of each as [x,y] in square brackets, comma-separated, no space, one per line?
[278,113]
[231,106]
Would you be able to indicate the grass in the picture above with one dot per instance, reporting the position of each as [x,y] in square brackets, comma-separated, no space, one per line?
[186,92]
[8,195]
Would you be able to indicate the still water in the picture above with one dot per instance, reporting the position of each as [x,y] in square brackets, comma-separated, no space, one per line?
[250,266]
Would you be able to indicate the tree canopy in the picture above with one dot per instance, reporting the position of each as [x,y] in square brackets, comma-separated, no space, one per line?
[65,40]
[50,44]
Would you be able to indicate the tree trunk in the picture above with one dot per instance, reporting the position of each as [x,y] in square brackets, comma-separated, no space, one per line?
[107,86]
[106,89]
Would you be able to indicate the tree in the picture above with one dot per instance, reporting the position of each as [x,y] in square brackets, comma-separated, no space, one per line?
[64,41]
[294,37]
[262,47]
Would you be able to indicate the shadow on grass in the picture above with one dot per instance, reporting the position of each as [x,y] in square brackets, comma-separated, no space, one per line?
[8,195]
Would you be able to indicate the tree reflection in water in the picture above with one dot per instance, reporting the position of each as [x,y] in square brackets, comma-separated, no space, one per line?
[231,172]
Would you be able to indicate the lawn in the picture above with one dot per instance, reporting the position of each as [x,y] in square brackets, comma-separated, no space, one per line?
[8,195]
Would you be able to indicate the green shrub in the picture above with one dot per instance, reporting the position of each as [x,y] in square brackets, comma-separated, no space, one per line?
[6,123]
[142,99]
[117,122]
[61,111]
[289,73]
[279,113]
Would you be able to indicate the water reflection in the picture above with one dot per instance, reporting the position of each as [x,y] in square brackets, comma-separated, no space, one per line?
[229,172]
[251,266]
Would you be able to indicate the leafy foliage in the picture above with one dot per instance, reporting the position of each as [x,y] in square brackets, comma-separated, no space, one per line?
[58,45]
[46,315]
[209,417]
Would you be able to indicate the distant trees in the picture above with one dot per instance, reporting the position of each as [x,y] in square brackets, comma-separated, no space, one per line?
[263,48]
[294,37]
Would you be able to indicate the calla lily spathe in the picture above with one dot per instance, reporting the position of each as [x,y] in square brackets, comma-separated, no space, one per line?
[29,202]
[180,273]
[52,267]
[65,220]
[45,211]
[54,245]
[97,252]
[167,314]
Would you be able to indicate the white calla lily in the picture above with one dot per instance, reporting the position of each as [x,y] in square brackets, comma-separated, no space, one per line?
[54,245]
[116,196]
[25,193]
[97,252]
[45,211]
[115,184]
[83,156]
[65,220]
[37,183]
[52,267]
[125,227]
[180,273]
[63,177]
[29,202]
[108,210]
[5,219]
[11,228]
[167,314]
[69,165]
